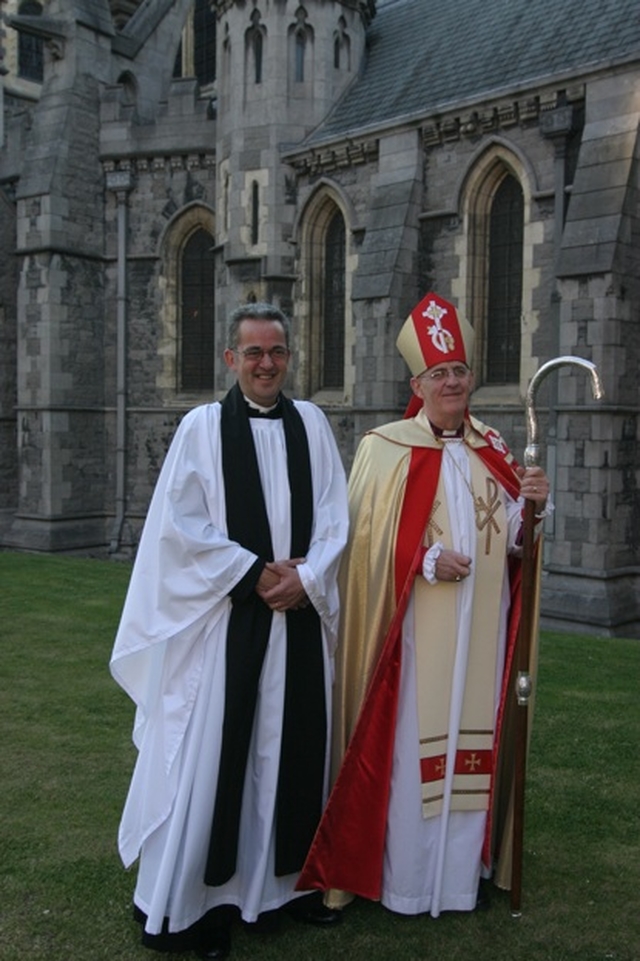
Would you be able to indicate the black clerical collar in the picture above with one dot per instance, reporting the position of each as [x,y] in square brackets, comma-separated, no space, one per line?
[272,413]
[447,434]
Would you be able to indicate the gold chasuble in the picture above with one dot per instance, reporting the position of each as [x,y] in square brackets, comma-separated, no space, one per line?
[397,510]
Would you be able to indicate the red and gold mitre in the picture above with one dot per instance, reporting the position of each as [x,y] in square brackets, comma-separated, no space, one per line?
[434,334]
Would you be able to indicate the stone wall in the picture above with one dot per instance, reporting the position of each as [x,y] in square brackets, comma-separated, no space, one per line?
[8,337]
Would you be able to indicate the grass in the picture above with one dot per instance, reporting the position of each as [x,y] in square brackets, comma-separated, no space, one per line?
[66,761]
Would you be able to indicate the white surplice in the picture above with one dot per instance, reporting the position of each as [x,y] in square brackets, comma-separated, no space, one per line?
[169,656]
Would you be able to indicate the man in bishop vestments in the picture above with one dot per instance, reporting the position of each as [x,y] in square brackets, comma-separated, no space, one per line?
[430,594]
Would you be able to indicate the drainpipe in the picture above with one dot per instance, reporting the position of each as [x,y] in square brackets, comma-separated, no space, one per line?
[556,125]
[120,182]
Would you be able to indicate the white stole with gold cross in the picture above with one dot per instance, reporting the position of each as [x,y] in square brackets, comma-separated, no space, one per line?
[457,632]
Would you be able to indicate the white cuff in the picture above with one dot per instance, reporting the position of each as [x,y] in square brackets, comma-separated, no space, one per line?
[429,562]
[547,512]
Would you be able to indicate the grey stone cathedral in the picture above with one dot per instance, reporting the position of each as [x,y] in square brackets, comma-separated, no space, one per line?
[162,161]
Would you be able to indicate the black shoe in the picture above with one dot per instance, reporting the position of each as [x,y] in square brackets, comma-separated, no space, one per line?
[267,923]
[483,901]
[215,946]
[311,910]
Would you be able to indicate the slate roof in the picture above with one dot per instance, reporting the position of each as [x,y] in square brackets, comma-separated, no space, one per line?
[425,56]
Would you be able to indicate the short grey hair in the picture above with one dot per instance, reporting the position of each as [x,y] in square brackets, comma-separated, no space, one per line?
[257,311]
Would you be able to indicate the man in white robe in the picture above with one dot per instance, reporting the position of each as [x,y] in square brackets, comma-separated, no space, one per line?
[226,646]
[428,620]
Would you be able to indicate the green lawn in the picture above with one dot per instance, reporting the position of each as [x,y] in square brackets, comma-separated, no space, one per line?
[67,757]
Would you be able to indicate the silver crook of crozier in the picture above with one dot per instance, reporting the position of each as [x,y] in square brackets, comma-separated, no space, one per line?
[532,451]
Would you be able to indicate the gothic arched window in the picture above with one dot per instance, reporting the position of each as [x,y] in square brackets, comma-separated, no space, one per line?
[300,43]
[196,55]
[341,47]
[197,313]
[333,304]
[300,48]
[30,48]
[504,302]
[255,212]
[257,46]
[204,42]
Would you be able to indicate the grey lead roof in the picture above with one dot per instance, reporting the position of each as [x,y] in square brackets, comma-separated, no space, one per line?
[428,55]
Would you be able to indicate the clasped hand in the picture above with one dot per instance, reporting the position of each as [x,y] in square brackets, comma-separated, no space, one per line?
[452,566]
[280,587]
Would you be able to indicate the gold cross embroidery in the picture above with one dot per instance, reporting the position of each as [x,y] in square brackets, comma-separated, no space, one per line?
[432,525]
[489,508]
[473,762]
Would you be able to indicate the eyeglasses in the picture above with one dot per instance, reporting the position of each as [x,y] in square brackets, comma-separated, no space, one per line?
[442,373]
[277,354]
